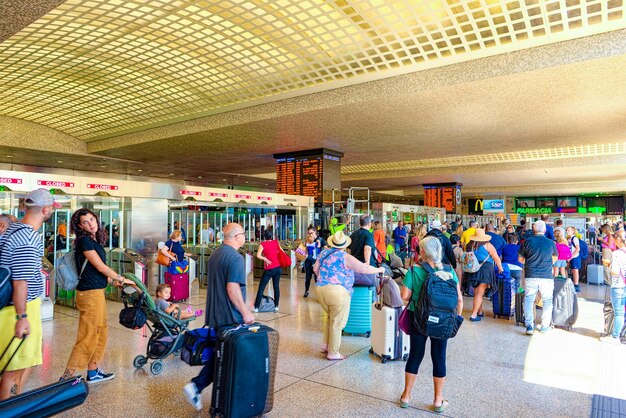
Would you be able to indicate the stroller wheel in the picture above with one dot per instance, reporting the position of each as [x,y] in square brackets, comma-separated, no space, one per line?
[140,361]
[156,367]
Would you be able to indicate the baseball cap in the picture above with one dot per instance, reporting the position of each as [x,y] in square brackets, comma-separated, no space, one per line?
[41,197]
[436,224]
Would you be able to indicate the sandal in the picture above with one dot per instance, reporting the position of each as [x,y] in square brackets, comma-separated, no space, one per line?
[405,404]
[336,358]
[439,409]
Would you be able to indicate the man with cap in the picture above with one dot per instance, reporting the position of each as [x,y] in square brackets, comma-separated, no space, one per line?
[21,250]
[446,245]
[537,254]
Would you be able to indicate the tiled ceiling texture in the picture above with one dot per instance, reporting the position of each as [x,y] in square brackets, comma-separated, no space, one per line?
[95,69]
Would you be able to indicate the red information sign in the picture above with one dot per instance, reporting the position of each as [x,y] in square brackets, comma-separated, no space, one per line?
[6,180]
[265,198]
[54,183]
[243,196]
[190,193]
[214,194]
[102,186]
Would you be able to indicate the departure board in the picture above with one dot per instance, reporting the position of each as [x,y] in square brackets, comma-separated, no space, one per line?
[300,176]
[445,196]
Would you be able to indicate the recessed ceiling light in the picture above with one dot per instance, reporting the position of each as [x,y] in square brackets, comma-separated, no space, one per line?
[223,179]
[246,181]
[266,184]
[140,170]
[103,166]
[10,156]
[59,161]
[171,174]
[199,177]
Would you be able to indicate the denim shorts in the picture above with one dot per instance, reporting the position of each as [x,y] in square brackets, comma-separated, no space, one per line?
[560,263]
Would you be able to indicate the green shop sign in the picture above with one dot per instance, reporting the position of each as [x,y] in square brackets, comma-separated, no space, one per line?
[534,210]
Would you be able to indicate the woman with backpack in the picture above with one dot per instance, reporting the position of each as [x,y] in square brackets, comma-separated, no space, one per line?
[431,254]
[92,336]
[574,262]
[485,277]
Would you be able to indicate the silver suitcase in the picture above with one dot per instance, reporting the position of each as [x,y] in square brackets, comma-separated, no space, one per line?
[388,341]
[595,274]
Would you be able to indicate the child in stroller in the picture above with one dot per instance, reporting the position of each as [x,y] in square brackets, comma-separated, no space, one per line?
[163,292]
[167,331]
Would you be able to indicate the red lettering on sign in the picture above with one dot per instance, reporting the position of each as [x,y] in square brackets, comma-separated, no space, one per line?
[214,194]
[266,198]
[190,193]
[243,196]
[7,180]
[102,186]
[53,183]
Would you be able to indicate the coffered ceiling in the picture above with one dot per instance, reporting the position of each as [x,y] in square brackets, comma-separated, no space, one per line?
[410,91]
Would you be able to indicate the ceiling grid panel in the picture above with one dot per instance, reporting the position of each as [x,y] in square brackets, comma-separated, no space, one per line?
[100,68]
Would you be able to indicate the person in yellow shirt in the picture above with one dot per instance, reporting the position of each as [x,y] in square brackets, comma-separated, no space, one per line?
[465,238]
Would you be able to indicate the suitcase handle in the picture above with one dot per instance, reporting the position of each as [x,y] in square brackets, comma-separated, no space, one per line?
[15,352]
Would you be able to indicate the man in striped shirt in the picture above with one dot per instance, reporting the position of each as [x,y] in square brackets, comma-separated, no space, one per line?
[21,250]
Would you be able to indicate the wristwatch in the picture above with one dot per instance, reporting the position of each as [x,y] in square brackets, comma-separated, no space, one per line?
[18,317]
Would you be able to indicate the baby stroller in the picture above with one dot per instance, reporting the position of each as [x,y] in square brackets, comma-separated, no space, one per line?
[167,332]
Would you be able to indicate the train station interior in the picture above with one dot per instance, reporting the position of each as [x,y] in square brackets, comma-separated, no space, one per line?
[163,115]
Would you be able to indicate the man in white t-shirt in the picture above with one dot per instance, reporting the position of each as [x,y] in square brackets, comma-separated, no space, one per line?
[618,286]
[207,235]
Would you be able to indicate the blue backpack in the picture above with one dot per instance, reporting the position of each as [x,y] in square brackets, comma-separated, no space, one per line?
[584,249]
[436,315]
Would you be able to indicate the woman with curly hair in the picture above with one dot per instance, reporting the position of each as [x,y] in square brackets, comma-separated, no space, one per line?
[94,276]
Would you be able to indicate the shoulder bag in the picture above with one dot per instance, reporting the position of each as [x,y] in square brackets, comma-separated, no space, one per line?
[164,260]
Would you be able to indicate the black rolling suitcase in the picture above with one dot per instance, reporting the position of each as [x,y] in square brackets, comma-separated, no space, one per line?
[519,308]
[45,401]
[243,384]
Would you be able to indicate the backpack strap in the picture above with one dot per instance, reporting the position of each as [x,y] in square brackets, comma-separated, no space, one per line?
[331,252]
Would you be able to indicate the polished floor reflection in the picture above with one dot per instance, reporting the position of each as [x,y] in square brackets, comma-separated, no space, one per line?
[494,370]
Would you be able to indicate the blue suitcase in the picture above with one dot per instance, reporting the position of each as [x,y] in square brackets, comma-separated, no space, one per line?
[503,299]
[360,318]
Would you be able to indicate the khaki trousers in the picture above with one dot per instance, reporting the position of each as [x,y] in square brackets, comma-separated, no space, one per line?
[92,329]
[335,301]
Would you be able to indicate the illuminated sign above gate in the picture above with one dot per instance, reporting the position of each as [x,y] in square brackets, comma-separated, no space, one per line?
[533,210]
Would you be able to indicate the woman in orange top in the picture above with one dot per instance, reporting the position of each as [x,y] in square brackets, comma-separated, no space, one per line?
[379,240]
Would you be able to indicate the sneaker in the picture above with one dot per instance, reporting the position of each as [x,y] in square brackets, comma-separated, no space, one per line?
[306,294]
[100,376]
[276,309]
[530,330]
[478,318]
[255,310]
[577,288]
[543,329]
[193,396]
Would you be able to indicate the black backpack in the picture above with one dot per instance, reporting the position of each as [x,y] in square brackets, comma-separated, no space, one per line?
[436,315]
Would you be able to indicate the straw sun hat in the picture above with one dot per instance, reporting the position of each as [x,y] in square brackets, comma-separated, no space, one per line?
[339,240]
[480,236]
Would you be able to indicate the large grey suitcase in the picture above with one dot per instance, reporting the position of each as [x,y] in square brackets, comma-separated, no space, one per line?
[595,274]
[565,304]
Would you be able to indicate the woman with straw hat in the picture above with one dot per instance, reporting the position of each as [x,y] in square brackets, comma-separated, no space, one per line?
[487,256]
[335,270]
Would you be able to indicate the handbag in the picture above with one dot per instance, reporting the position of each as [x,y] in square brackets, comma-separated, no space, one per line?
[164,260]
[301,252]
[404,321]
[178,267]
[133,317]
[283,259]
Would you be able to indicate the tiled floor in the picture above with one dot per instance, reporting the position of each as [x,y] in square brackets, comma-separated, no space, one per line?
[494,370]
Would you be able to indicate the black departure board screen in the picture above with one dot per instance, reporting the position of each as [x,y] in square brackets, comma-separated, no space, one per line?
[300,176]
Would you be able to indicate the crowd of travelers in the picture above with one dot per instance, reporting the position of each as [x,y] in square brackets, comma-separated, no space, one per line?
[534,255]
